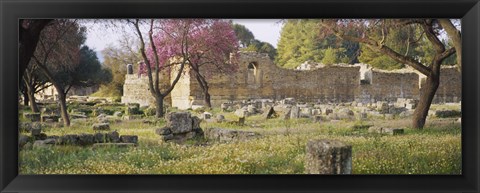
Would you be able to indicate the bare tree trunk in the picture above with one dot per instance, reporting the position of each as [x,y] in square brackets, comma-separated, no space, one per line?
[456,38]
[426,97]
[63,108]
[159,113]
[31,99]
[25,98]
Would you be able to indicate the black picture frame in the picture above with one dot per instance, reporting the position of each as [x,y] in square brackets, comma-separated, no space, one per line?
[11,11]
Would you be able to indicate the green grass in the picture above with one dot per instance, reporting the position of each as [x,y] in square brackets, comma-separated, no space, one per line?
[281,150]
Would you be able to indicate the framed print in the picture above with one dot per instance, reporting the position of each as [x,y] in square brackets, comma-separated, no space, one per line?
[227,96]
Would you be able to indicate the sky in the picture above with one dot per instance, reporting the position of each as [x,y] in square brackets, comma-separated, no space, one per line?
[267,30]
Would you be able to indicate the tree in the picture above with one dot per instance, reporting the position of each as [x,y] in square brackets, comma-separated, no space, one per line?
[331,57]
[211,43]
[455,36]
[401,40]
[430,28]
[249,43]
[59,52]
[89,72]
[263,47]
[33,81]
[205,45]
[174,43]
[29,34]
[301,40]
[116,58]
[244,35]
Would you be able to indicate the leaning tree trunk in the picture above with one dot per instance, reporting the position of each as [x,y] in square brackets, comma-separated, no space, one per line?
[204,85]
[31,99]
[63,108]
[426,97]
[159,113]
[207,98]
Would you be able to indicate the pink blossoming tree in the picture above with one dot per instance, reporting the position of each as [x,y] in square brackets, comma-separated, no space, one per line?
[204,45]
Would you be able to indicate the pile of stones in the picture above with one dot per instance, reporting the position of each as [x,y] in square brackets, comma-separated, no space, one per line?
[384,130]
[180,127]
[99,139]
[227,135]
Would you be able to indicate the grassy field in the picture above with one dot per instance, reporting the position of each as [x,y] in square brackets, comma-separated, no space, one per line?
[281,150]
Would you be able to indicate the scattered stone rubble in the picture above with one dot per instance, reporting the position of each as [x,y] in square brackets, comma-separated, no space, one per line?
[383,130]
[40,139]
[228,135]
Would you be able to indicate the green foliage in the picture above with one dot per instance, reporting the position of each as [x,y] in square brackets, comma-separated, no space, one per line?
[261,47]
[333,56]
[401,40]
[299,42]
[277,151]
[116,58]
[249,43]
[150,111]
[378,60]
[305,40]
[244,35]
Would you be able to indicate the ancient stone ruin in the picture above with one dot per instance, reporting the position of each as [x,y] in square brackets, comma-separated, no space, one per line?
[328,157]
[259,78]
[229,135]
[40,139]
[180,127]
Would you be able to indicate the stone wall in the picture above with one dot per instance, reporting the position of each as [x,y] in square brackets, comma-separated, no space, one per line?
[258,77]
[136,90]
[450,88]
[380,85]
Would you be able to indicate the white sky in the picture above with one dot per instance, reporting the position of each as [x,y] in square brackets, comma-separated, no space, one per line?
[98,37]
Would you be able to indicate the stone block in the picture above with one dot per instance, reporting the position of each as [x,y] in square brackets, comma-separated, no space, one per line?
[179,122]
[448,113]
[220,118]
[295,112]
[328,157]
[206,115]
[317,118]
[23,140]
[129,139]
[36,131]
[228,135]
[68,139]
[41,143]
[163,131]
[41,136]
[241,112]
[328,111]
[113,145]
[101,126]
[383,130]
[86,139]
[33,117]
[99,137]
[49,118]
[113,137]
[241,121]
[268,114]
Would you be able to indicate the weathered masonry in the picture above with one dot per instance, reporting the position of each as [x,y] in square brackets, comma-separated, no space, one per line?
[259,78]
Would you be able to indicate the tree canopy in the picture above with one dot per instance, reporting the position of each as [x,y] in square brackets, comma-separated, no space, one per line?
[301,40]
[249,43]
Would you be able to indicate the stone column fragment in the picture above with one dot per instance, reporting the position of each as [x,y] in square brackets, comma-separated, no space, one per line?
[328,157]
